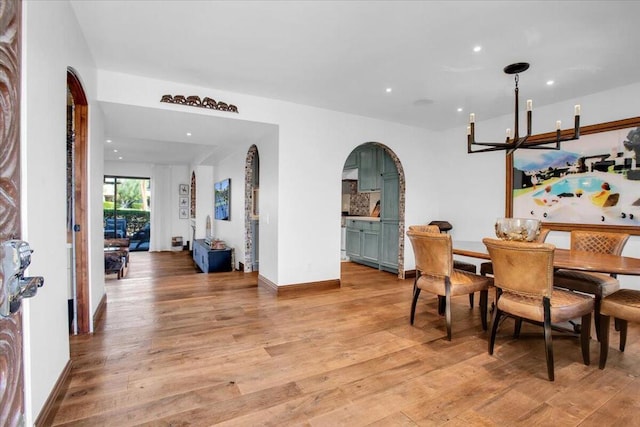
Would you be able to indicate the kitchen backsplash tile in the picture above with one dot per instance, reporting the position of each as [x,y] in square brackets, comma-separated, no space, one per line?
[361,204]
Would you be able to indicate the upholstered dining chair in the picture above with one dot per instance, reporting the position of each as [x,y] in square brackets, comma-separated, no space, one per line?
[457,264]
[597,284]
[523,277]
[624,305]
[435,274]
[486,268]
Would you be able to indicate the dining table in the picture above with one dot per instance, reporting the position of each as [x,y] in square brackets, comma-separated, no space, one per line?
[564,258]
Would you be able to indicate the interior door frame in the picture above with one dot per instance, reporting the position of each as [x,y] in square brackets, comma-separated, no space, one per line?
[80,191]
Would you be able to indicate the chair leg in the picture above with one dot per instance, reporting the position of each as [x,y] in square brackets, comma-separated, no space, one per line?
[585,337]
[616,323]
[623,334]
[547,338]
[596,315]
[471,300]
[447,306]
[494,328]
[416,293]
[484,298]
[441,305]
[604,340]
[517,327]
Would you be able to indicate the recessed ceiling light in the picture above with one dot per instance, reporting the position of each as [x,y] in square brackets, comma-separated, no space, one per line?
[388,90]
[109,141]
[188,133]
[477,48]
[120,158]
[115,151]
[459,109]
[550,82]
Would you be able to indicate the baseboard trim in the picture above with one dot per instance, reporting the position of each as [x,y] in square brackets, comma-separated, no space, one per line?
[265,283]
[102,307]
[45,417]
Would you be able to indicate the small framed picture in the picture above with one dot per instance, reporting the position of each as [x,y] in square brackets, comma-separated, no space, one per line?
[184,202]
[184,190]
[184,213]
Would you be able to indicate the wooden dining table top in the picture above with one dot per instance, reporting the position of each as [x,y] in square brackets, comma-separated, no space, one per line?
[565,258]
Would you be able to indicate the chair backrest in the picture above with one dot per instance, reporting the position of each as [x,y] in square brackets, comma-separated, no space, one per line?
[432,251]
[423,228]
[598,241]
[524,267]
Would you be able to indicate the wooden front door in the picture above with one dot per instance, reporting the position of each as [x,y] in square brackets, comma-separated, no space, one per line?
[11,361]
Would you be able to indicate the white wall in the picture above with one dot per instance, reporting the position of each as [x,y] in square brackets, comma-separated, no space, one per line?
[204,199]
[51,43]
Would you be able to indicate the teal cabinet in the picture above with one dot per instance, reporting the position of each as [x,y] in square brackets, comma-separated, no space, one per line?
[353,243]
[389,216]
[352,160]
[369,168]
[376,243]
[370,240]
[363,241]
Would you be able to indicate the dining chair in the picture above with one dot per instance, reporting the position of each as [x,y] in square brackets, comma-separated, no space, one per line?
[597,284]
[624,305]
[435,274]
[486,268]
[523,277]
[457,264]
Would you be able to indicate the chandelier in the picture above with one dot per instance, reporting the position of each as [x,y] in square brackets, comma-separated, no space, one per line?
[515,141]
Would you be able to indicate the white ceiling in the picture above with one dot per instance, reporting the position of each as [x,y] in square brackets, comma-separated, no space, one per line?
[342,55]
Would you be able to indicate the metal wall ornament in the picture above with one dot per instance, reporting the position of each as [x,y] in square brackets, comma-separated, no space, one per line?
[195,101]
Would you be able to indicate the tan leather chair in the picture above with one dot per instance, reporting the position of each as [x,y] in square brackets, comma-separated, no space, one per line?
[523,277]
[598,284]
[457,264]
[624,305]
[435,273]
[486,268]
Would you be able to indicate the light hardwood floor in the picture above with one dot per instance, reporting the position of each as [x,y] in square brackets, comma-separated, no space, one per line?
[177,348]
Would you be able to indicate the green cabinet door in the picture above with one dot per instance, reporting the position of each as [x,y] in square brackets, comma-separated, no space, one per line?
[388,256]
[369,159]
[389,216]
[353,244]
[370,243]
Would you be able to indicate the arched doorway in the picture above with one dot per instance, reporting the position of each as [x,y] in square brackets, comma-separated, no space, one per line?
[379,174]
[77,221]
[251,193]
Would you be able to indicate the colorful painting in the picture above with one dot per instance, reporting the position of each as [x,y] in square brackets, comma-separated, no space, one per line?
[590,182]
[222,200]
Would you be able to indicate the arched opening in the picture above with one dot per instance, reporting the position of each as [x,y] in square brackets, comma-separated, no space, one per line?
[251,209]
[373,208]
[77,221]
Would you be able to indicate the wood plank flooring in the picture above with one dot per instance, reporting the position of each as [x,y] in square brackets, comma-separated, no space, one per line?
[178,348]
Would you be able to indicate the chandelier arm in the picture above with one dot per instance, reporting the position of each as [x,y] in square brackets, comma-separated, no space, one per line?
[483,150]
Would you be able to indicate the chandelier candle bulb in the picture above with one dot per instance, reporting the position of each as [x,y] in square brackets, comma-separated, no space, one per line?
[558,125]
[577,110]
[468,130]
[472,118]
[529,105]
[508,133]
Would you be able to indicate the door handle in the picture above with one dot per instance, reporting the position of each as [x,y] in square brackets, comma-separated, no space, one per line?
[15,257]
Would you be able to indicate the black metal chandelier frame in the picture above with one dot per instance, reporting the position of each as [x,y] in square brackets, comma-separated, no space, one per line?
[513,143]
